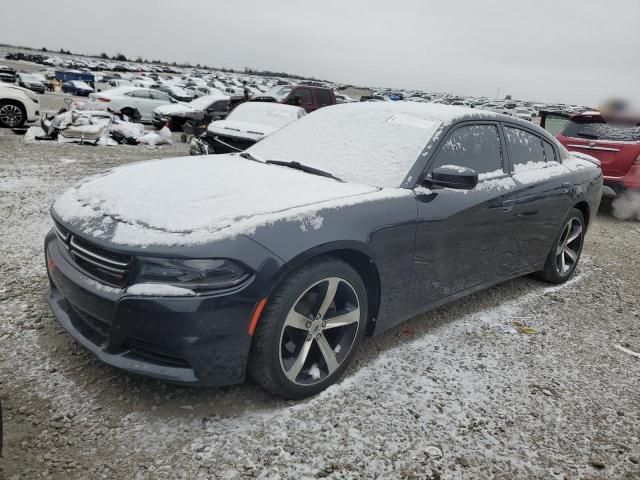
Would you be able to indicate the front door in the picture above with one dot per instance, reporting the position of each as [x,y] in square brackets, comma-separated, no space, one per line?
[463,237]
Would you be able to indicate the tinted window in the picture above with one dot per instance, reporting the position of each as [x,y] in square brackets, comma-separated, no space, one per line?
[524,147]
[140,94]
[219,106]
[475,146]
[595,128]
[549,153]
[304,94]
[324,97]
[159,96]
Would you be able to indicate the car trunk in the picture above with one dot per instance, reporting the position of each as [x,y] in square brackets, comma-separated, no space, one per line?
[616,145]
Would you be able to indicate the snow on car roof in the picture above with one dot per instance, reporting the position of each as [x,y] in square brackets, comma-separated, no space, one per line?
[372,143]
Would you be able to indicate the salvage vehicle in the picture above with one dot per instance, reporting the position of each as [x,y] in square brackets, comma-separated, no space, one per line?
[278,260]
[178,93]
[7,74]
[247,124]
[17,106]
[77,87]
[30,82]
[205,109]
[308,97]
[612,139]
[134,102]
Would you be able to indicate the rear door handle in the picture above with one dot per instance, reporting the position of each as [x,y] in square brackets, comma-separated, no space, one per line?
[507,205]
[566,186]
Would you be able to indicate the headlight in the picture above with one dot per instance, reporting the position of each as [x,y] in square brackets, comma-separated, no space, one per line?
[198,274]
[31,95]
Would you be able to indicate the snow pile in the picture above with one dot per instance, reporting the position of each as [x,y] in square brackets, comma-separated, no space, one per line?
[534,172]
[369,143]
[198,199]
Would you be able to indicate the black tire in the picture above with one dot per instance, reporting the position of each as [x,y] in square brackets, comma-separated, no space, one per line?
[131,113]
[266,363]
[12,114]
[553,271]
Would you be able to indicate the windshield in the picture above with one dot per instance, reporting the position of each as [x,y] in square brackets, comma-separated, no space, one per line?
[272,114]
[279,92]
[368,143]
[81,84]
[596,128]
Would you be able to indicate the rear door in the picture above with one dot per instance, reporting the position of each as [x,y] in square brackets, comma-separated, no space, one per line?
[302,97]
[544,193]
[323,97]
[463,237]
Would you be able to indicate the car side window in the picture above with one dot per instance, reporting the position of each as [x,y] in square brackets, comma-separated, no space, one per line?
[473,146]
[549,152]
[324,97]
[525,148]
[304,94]
[159,96]
[140,94]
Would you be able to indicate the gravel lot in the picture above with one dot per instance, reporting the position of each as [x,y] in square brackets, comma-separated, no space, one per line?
[561,403]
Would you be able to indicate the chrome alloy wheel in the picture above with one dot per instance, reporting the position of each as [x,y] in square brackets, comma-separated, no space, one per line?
[10,115]
[569,246]
[319,331]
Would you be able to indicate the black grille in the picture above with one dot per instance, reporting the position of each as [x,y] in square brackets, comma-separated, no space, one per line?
[228,144]
[108,267]
[157,354]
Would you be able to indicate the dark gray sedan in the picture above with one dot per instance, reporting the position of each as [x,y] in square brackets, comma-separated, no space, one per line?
[277,261]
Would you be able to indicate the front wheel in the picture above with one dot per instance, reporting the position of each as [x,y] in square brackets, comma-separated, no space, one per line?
[566,250]
[12,114]
[310,329]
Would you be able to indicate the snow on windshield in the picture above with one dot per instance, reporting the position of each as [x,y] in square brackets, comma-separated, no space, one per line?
[367,143]
[265,113]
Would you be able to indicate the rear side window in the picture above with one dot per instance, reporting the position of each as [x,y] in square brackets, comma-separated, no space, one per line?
[524,147]
[596,128]
[473,146]
[304,94]
[324,97]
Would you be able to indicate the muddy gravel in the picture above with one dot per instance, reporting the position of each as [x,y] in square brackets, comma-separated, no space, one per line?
[497,400]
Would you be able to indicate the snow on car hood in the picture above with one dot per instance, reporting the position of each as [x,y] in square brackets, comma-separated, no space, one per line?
[173,108]
[199,199]
[254,131]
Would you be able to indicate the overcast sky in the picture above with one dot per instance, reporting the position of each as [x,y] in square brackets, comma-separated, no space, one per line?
[578,51]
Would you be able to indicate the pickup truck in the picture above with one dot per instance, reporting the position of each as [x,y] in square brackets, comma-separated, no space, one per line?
[306,96]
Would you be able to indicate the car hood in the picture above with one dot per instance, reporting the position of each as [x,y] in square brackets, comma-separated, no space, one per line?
[199,199]
[254,131]
[174,108]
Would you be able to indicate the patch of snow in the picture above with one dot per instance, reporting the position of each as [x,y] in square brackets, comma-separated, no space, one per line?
[158,290]
[314,371]
[534,172]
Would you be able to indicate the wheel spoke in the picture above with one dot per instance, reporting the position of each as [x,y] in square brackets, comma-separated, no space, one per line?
[563,265]
[296,320]
[293,372]
[328,353]
[332,287]
[571,254]
[575,234]
[341,320]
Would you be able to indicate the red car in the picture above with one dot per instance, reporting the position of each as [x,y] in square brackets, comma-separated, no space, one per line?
[616,143]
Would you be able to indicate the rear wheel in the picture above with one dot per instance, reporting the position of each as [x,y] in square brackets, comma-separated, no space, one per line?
[566,250]
[12,114]
[310,329]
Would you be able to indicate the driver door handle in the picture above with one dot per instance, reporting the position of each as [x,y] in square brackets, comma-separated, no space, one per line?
[507,205]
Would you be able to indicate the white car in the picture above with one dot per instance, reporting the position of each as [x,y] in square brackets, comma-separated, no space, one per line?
[17,106]
[136,103]
[247,124]
[523,113]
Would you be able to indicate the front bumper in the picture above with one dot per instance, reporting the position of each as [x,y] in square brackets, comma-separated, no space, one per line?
[189,340]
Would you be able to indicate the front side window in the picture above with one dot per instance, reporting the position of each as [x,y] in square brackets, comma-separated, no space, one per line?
[140,94]
[549,153]
[525,148]
[159,96]
[474,146]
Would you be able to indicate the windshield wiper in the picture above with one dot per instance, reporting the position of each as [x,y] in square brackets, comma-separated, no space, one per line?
[303,168]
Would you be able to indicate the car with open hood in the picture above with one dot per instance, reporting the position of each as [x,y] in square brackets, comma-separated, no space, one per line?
[276,261]
[247,124]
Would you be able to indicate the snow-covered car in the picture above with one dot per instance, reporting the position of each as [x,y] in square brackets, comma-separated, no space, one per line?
[247,124]
[277,261]
[17,106]
[176,92]
[77,87]
[523,113]
[134,102]
[200,91]
[211,107]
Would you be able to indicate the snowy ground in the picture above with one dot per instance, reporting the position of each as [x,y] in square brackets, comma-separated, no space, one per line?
[561,403]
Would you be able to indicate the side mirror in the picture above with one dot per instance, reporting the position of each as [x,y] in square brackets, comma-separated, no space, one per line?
[453,176]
